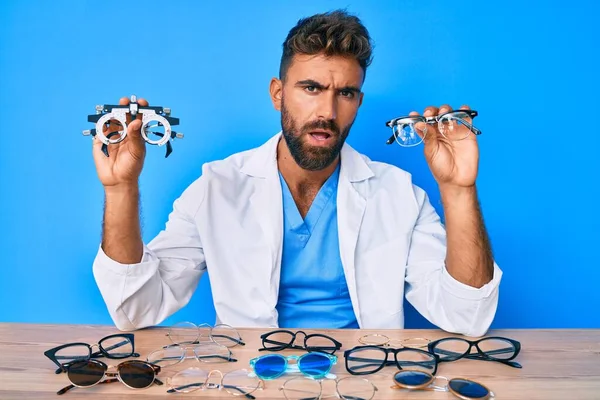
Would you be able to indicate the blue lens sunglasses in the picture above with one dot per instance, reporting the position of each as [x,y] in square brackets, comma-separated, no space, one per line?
[315,365]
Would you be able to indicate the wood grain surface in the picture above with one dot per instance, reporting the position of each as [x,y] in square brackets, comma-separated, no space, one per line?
[557,364]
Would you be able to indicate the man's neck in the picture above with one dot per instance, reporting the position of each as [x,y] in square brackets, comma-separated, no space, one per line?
[297,178]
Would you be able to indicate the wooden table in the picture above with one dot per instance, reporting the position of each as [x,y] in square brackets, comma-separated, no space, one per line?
[557,364]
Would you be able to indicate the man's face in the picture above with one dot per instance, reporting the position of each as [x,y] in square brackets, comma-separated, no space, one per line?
[318,100]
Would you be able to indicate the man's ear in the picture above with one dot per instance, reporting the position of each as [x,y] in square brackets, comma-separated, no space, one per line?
[362,95]
[276,91]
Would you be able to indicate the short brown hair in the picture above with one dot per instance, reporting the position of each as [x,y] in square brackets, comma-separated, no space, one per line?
[331,33]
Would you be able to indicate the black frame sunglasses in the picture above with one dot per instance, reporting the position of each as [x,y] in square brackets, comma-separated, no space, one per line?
[511,350]
[135,374]
[107,352]
[270,343]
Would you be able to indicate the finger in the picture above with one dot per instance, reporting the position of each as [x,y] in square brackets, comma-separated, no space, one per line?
[430,111]
[142,103]
[465,107]
[134,128]
[97,152]
[444,109]
[124,101]
[413,114]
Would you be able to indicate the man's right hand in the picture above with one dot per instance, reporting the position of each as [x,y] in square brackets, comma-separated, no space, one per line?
[126,159]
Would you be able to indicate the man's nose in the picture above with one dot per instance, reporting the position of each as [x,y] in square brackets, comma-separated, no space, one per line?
[327,108]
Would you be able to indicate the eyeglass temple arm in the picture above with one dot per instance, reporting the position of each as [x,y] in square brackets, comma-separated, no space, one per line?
[67,388]
[229,359]
[238,341]
[513,364]
[178,388]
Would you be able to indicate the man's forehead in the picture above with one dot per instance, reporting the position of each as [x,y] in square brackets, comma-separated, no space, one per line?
[336,70]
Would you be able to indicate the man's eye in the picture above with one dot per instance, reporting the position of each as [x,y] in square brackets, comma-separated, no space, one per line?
[311,89]
[347,93]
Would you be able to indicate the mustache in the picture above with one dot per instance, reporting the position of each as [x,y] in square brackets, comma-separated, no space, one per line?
[328,125]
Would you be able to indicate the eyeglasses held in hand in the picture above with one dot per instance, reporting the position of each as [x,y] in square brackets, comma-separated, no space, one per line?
[349,388]
[113,346]
[203,352]
[188,333]
[283,339]
[135,374]
[363,360]
[315,365]
[464,389]
[453,125]
[376,339]
[491,348]
[238,383]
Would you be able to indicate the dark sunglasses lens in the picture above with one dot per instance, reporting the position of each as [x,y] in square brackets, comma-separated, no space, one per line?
[85,373]
[278,340]
[498,349]
[412,378]
[270,366]
[136,374]
[314,364]
[469,389]
[117,346]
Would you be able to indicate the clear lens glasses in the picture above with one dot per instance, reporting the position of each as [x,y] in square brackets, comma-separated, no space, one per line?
[364,360]
[492,348]
[283,339]
[187,333]
[350,388]
[453,125]
[237,383]
[203,352]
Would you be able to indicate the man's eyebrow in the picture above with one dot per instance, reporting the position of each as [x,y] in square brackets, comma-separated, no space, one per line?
[311,82]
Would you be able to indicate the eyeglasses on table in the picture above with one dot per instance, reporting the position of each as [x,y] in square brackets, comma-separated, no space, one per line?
[116,346]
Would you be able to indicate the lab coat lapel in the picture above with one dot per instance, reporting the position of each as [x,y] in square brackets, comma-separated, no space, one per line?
[266,205]
[351,206]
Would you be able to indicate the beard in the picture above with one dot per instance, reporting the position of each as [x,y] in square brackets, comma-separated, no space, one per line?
[312,158]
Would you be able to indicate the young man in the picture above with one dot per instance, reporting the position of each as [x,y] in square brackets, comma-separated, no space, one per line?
[304,231]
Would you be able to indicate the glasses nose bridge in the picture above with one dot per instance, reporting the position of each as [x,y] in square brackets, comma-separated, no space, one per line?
[209,384]
[296,338]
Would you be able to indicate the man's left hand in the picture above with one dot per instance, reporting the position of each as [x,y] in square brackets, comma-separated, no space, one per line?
[452,163]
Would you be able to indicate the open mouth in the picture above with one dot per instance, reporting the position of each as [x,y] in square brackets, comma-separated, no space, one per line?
[321,136]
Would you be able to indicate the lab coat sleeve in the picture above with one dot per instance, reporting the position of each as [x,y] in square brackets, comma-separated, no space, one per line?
[444,301]
[144,294]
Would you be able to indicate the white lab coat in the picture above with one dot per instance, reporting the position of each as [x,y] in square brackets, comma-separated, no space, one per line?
[230,222]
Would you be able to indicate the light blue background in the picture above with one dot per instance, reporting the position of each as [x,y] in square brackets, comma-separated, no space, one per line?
[530,69]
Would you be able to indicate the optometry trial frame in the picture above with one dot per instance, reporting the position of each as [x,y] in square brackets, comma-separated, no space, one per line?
[111,124]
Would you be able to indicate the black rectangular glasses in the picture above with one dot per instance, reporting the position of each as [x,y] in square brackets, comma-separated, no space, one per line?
[493,348]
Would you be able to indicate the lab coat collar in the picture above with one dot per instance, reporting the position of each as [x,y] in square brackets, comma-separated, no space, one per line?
[263,162]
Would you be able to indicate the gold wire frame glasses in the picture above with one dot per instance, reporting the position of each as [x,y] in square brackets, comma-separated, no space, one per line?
[464,389]
[351,388]
[376,339]
[240,382]
[188,333]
